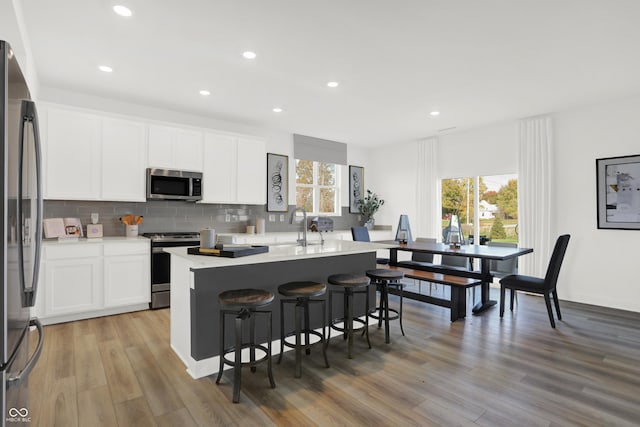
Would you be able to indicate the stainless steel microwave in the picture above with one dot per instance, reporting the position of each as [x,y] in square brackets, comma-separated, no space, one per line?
[166,184]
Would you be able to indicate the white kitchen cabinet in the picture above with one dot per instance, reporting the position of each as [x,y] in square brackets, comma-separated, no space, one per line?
[127,274]
[72,285]
[71,151]
[234,169]
[123,160]
[175,148]
[252,169]
[219,174]
[91,279]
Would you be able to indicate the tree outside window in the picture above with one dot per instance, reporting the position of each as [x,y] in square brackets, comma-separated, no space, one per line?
[497,205]
[317,186]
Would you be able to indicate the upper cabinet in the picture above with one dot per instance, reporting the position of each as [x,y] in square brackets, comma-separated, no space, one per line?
[175,148]
[123,160]
[72,149]
[252,170]
[234,169]
[93,156]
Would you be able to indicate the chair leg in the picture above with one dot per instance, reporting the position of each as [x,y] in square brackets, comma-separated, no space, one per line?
[512,293]
[502,296]
[298,316]
[324,338]
[401,298]
[366,316]
[557,304]
[547,300]
[349,324]
[269,367]
[281,331]
[221,347]
[252,341]
[307,327]
[237,366]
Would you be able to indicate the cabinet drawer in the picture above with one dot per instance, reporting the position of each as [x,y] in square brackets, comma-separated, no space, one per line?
[72,250]
[128,248]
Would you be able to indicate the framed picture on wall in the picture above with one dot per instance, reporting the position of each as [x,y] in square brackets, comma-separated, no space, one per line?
[277,183]
[356,187]
[619,192]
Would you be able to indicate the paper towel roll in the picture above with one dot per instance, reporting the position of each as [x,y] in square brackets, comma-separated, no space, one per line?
[208,238]
[260,225]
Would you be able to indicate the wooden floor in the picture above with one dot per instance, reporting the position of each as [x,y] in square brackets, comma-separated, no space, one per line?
[517,371]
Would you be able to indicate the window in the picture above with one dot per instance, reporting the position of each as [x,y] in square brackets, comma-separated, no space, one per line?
[317,187]
[496,211]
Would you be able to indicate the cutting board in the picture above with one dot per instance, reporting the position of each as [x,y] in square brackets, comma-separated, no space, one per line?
[229,251]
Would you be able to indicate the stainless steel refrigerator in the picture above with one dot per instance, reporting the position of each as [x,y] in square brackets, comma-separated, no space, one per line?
[21,233]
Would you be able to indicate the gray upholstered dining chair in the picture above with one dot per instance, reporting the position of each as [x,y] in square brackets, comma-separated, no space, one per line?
[361,234]
[544,286]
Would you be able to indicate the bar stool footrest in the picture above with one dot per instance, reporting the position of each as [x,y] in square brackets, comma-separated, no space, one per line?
[231,350]
[395,316]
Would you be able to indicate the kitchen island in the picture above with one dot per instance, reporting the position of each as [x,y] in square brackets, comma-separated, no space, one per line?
[196,281]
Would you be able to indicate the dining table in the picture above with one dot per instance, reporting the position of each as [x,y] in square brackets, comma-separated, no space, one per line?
[482,252]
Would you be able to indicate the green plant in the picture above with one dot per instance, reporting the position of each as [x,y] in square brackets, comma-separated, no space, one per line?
[370,204]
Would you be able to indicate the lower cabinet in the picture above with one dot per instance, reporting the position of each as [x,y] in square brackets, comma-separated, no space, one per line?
[83,280]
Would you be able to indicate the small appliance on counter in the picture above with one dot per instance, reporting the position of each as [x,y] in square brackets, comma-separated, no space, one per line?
[321,223]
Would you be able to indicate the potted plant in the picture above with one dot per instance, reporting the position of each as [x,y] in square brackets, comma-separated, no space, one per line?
[369,206]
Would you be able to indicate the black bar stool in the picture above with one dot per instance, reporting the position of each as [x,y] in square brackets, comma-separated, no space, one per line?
[383,278]
[242,303]
[302,292]
[351,285]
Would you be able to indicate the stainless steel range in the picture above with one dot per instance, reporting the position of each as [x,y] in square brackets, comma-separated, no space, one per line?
[161,263]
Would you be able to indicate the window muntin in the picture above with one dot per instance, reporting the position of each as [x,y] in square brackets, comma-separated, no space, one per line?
[317,187]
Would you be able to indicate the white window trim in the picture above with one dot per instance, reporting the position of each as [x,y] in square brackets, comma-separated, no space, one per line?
[317,187]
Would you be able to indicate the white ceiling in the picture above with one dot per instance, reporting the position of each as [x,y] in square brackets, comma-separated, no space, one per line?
[477,62]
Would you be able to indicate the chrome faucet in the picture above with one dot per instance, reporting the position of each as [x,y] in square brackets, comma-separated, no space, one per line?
[303,241]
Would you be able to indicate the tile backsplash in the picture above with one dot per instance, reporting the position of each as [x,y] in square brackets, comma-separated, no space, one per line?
[168,216]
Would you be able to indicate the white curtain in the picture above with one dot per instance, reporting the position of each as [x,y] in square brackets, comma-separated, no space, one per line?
[427,190]
[534,194]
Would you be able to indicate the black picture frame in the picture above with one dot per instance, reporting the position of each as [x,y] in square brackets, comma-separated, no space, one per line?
[618,197]
[356,187]
[277,182]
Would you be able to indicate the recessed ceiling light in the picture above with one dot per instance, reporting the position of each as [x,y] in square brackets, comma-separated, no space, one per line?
[277,110]
[249,55]
[435,113]
[122,10]
[333,84]
[204,92]
[105,68]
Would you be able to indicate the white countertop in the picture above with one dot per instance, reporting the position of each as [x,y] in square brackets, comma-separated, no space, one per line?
[284,252]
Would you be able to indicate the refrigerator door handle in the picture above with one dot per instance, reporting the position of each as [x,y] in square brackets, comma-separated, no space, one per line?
[16,379]
[29,115]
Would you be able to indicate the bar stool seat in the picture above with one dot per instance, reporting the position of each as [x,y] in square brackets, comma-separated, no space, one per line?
[383,278]
[351,284]
[243,304]
[302,292]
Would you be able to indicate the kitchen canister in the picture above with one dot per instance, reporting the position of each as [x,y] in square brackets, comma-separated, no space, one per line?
[208,238]
[260,225]
[131,230]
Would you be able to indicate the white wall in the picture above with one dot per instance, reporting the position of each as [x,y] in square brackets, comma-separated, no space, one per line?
[601,265]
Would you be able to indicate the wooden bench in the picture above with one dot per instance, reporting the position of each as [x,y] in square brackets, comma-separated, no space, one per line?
[459,285]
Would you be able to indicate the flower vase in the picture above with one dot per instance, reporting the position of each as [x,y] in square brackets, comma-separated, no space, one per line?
[370,223]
